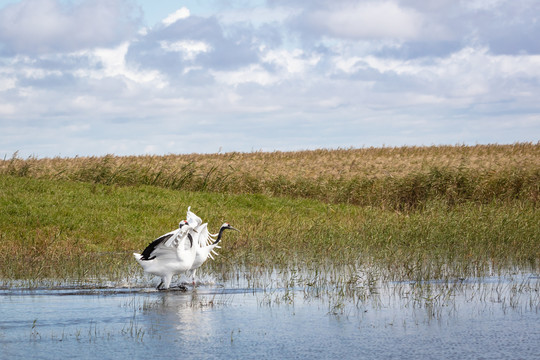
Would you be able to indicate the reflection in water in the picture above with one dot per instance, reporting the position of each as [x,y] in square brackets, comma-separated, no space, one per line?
[184,315]
[280,314]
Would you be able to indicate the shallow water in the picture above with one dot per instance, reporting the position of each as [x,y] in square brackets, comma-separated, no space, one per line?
[494,317]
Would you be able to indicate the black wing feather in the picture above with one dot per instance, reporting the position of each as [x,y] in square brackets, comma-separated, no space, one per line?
[147,253]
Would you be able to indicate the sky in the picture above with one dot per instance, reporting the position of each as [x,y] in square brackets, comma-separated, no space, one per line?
[134,77]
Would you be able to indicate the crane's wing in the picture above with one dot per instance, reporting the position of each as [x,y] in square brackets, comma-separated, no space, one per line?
[164,253]
[175,235]
[211,239]
[193,219]
[203,236]
[210,243]
[158,245]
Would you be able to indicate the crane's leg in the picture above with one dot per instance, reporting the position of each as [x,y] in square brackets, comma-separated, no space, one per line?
[165,282]
[167,279]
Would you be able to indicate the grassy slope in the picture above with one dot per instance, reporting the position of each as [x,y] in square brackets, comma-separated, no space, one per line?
[403,179]
[57,228]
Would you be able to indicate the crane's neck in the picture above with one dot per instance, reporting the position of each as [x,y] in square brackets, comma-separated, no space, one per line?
[220,234]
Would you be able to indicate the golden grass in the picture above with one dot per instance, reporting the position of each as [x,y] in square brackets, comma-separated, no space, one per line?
[312,164]
[394,177]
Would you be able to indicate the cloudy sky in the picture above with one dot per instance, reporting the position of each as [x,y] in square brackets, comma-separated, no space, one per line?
[94,77]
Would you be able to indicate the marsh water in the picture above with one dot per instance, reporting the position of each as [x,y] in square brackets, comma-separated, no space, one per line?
[276,314]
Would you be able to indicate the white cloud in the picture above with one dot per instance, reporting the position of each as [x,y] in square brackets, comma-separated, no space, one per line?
[7,109]
[179,14]
[189,48]
[369,20]
[293,62]
[77,128]
[249,74]
[482,4]
[49,26]
[257,15]
[111,63]
[7,82]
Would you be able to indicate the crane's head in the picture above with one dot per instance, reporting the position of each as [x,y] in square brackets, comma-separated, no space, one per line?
[186,227]
[228,226]
[223,227]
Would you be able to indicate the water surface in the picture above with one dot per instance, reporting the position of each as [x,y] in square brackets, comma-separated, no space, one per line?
[490,318]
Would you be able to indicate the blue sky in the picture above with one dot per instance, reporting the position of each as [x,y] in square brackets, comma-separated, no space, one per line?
[95,77]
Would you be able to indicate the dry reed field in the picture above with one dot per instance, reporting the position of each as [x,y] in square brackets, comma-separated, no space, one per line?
[401,178]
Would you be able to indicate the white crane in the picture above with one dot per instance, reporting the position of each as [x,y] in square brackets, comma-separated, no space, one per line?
[206,246]
[206,242]
[170,254]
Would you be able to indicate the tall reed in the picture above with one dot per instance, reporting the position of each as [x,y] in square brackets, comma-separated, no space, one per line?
[403,179]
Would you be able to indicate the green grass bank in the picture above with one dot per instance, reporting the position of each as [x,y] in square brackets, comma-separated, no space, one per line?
[65,229]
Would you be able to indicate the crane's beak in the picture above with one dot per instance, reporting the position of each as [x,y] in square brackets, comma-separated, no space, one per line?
[232,228]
